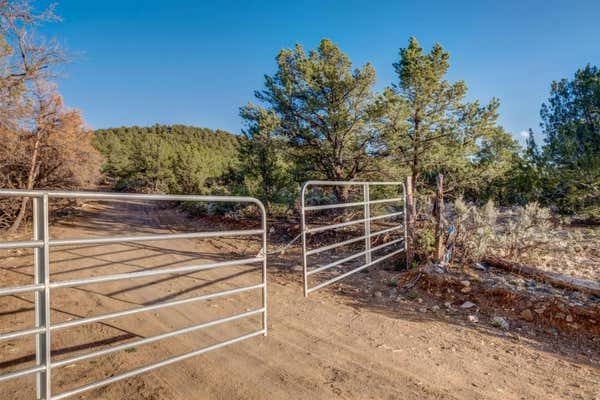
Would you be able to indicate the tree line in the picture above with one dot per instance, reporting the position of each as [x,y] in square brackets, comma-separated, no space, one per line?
[319,117]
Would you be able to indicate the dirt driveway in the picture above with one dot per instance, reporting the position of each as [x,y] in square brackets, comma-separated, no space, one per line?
[323,347]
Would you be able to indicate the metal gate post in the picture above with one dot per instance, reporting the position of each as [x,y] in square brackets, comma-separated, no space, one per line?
[303,227]
[405,226]
[42,299]
[264,266]
[367,216]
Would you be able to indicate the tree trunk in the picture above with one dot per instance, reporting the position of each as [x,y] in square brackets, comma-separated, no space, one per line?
[438,212]
[342,193]
[413,182]
[410,221]
[30,183]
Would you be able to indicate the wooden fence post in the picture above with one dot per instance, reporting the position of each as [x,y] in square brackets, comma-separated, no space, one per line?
[438,213]
[410,221]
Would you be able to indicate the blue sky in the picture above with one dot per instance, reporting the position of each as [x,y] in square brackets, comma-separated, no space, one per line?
[196,62]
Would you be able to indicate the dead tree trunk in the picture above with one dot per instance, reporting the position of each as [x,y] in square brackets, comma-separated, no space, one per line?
[438,213]
[552,278]
[33,171]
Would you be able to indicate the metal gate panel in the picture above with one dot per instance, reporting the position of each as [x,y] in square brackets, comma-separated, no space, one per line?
[42,287]
[309,269]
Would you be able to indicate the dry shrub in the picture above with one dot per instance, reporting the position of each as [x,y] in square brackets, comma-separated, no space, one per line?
[484,230]
[525,228]
[475,229]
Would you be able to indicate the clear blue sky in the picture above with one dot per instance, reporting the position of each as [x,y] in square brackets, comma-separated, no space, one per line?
[196,62]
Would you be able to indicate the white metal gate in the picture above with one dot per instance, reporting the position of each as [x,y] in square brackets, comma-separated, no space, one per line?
[366,238]
[42,287]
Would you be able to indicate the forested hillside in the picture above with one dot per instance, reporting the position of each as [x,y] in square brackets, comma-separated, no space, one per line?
[169,159]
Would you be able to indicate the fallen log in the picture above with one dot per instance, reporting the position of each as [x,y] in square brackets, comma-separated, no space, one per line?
[552,278]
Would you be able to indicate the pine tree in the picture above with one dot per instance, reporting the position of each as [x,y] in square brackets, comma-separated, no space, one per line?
[571,125]
[326,111]
[429,128]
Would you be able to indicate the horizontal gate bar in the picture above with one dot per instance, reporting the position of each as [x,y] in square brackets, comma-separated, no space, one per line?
[355,204]
[172,236]
[81,321]
[21,289]
[142,274]
[22,244]
[386,200]
[21,333]
[156,338]
[166,197]
[334,226]
[350,183]
[335,245]
[337,278]
[22,372]
[330,206]
[349,241]
[386,216]
[155,365]
[335,263]
[353,256]
[20,193]
[124,196]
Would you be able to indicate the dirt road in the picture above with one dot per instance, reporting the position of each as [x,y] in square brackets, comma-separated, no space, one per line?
[323,347]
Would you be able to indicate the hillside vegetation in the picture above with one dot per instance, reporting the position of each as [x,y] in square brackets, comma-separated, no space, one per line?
[169,159]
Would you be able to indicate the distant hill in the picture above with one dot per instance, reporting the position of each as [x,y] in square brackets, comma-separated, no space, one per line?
[167,158]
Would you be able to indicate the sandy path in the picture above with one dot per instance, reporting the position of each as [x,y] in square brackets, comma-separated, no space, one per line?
[318,348]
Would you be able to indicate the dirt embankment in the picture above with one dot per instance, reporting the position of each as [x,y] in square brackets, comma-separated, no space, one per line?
[349,341]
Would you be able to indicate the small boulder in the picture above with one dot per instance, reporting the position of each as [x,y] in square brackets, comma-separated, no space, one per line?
[527,315]
[467,304]
[473,319]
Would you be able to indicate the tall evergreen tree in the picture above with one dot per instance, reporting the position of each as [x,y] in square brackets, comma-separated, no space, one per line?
[326,110]
[571,124]
[429,128]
